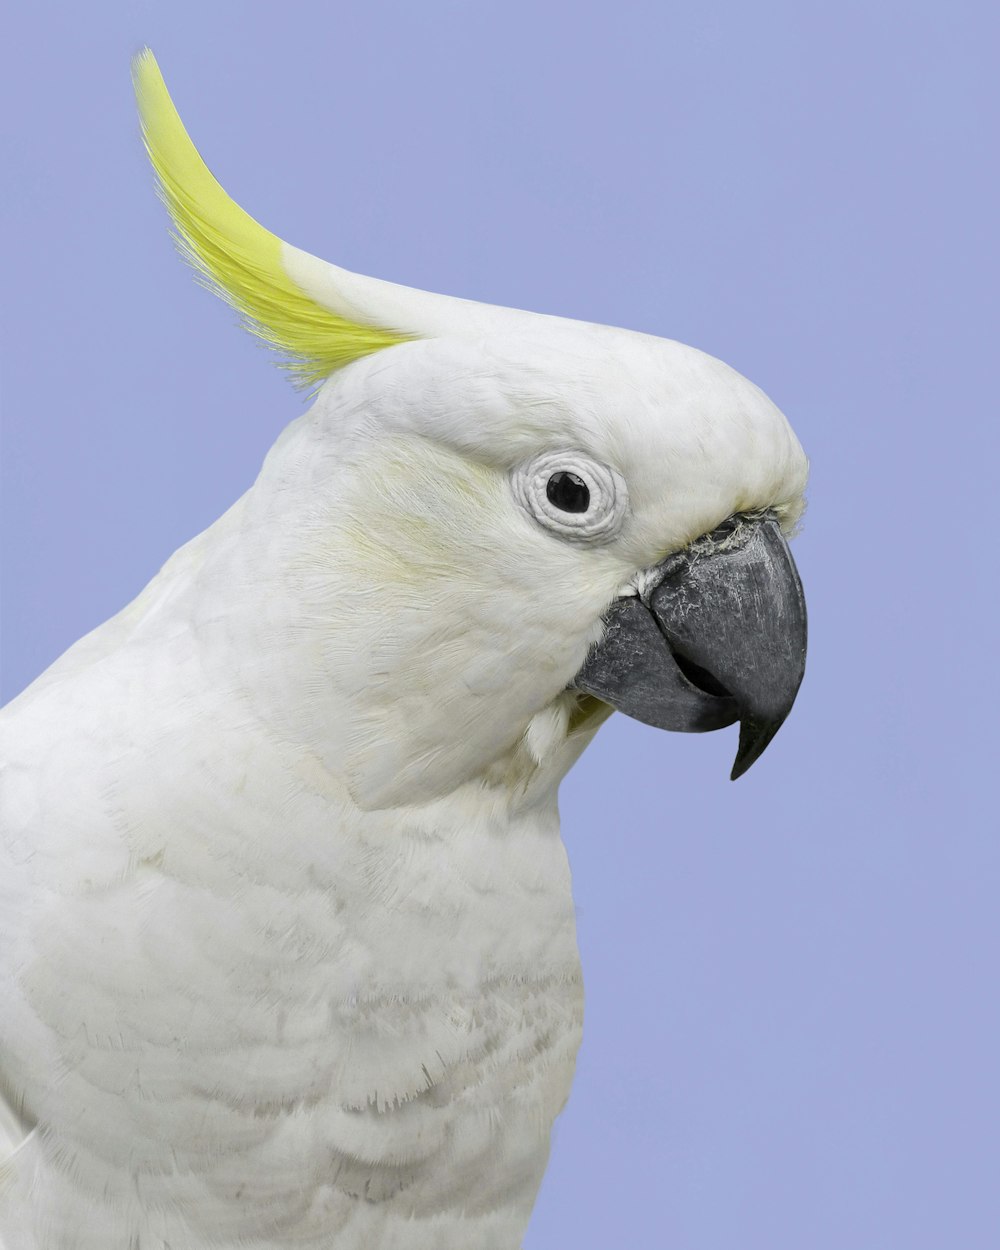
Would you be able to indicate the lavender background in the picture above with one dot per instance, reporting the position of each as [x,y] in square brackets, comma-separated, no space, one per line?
[793,1035]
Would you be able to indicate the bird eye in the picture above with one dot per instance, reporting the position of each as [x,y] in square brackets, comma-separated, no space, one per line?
[568,492]
[572,495]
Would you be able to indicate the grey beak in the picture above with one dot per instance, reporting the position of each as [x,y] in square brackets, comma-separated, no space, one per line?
[718,635]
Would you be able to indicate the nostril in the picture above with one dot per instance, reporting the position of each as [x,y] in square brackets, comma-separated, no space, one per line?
[700,677]
[726,529]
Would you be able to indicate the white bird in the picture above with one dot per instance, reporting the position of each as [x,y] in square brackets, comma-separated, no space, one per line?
[287,946]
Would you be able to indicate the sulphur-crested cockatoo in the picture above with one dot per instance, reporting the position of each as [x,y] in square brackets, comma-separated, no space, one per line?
[287,951]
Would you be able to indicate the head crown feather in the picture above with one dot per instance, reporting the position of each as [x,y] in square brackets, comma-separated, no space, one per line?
[238,258]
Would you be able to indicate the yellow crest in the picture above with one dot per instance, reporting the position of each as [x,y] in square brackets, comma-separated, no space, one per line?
[236,256]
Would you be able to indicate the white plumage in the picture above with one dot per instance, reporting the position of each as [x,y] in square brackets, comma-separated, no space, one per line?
[287,948]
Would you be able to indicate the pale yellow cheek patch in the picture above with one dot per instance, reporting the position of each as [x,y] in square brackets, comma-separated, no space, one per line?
[418,513]
[235,256]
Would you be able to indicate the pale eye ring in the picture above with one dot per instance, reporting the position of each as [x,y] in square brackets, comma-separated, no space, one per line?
[572,495]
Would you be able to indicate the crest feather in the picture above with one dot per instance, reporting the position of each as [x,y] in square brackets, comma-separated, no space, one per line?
[235,256]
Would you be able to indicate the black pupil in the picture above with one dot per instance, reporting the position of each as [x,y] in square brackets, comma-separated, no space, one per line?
[568,492]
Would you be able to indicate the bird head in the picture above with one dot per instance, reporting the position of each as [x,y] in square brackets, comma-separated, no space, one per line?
[493,527]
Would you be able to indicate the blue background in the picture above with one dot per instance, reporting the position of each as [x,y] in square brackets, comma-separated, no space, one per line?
[793,1035]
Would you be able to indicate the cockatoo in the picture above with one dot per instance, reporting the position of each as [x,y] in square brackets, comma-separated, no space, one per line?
[287,943]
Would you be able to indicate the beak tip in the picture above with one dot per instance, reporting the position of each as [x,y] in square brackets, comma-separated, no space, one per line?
[754,741]
[743,763]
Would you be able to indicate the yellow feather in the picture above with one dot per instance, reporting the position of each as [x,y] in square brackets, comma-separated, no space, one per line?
[235,255]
